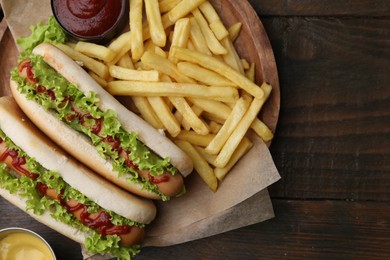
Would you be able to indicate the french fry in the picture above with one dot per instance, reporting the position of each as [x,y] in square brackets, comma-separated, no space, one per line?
[167,5]
[191,118]
[214,127]
[160,52]
[245,64]
[197,38]
[166,22]
[213,107]
[219,67]
[212,42]
[262,130]
[198,111]
[95,51]
[120,45]
[214,21]
[97,67]
[243,126]
[135,21]
[200,164]
[164,66]
[98,79]
[229,126]
[147,112]
[194,138]
[183,8]
[181,35]
[131,74]
[250,73]
[231,57]
[125,61]
[210,158]
[165,115]
[171,89]
[203,75]
[153,16]
[234,31]
[244,146]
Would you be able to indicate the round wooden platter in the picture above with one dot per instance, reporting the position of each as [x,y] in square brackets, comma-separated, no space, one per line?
[252,44]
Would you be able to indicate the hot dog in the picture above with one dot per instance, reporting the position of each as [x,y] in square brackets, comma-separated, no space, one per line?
[85,120]
[41,179]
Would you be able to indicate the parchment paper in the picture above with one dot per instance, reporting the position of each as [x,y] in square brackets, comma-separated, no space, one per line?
[242,198]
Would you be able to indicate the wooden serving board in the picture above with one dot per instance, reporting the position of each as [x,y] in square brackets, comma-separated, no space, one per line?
[252,44]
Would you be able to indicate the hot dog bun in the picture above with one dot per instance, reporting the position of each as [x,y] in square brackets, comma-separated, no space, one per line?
[81,147]
[17,128]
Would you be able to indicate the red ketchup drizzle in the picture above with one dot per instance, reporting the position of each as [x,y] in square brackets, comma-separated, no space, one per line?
[29,71]
[158,179]
[18,162]
[97,127]
[41,188]
[102,223]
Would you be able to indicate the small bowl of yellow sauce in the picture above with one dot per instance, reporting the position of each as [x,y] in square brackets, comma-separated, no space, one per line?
[19,243]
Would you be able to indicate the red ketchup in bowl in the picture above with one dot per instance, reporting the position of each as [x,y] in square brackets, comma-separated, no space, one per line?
[91,20]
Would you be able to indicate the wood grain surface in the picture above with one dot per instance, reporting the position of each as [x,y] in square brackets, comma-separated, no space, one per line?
[332,142]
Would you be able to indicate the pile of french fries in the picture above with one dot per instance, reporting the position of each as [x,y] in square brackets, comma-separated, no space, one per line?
[184,76]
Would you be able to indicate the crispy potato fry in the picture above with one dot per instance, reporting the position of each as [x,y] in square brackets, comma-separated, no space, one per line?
[198,111]
[147,112]
[197,38]
[210,158]
[192,119]
[194,138]
[214,21]
[212,42]
[200,164]
[153,16]
[250,73]
[203,75]
[167,5]
[95,51]
[166,22]
[214,127]
[164,113]
[125,61]
[98,79]
[164,66]
[181,35]
[243,126]
[160,52]
[97,67]
[135,21]
[120,45]
[231,57]
[131,74]
[245,64]
[183,8]
[171,89]
[262,130]
[213,107]
[219,67]
[229,126]
[244,146]
[234,31]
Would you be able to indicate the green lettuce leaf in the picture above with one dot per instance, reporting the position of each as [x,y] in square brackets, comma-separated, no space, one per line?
[50,32]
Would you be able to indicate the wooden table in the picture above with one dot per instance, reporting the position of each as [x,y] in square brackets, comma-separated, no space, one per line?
[331,147]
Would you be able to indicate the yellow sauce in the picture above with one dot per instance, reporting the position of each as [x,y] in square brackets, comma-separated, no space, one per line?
[19,245]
